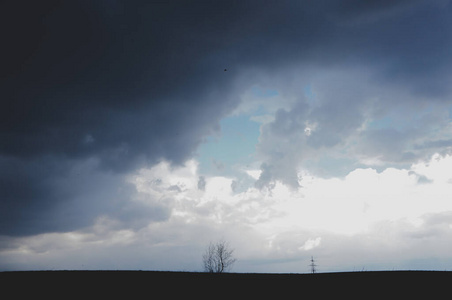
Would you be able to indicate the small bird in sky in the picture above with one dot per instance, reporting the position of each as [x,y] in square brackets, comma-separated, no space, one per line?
[225,70]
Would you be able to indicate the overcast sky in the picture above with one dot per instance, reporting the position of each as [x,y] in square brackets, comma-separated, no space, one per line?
[136,132]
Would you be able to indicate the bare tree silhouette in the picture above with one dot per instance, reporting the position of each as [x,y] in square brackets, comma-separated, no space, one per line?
[218,257]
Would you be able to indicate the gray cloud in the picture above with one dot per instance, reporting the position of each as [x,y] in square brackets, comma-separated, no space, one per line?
[46,195]
[351,122]
[283,146]
[201,183]
[388,71]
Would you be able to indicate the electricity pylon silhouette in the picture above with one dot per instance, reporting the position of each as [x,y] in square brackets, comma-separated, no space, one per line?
[313,265]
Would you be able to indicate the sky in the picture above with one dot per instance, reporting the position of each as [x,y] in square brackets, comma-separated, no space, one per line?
[134,133]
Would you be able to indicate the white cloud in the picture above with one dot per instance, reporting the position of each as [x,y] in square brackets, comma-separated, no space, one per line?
[310,128]
[255,174]
[390,212]
[311,244]
[437,169]
[364,197]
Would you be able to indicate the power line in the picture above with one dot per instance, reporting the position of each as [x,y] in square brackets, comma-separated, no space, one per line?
[313,265]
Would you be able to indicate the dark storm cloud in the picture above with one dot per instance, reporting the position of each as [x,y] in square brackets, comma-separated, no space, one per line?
[119,80]
[129,78]
[131,82]
[55,194]
[38,196]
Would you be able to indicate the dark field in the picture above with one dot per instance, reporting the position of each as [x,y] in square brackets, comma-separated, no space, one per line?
[168,285]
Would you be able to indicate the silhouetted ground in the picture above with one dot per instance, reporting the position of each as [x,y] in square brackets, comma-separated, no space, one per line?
[169,285]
